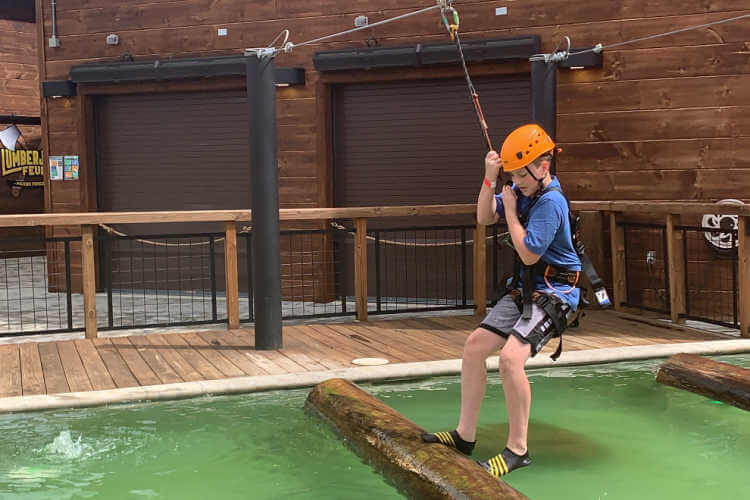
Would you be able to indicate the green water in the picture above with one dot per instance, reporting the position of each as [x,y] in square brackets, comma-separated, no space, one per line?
[600,432]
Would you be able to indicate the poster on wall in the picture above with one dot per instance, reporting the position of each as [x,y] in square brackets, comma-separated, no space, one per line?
[22,169]
[55,168]
[70,168]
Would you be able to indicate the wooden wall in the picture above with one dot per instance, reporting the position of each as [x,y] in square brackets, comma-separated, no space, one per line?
[663,119]
[19,95]
[19,76]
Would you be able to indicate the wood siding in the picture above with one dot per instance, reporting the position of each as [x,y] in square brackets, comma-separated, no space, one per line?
[664,119]
[19,95]
[669,113]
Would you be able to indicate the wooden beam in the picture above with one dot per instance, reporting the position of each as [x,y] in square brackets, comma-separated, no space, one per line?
[360,268]
[743,264]
[480,269]
[710,378]
[592,233]
[296,214]
[231,275]
[391,443]
[617,243]
[88,270]
[676,269]
[94,218]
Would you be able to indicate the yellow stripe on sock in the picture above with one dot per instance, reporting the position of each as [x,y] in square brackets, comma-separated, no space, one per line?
[493,469]
[450,436]
[505,466]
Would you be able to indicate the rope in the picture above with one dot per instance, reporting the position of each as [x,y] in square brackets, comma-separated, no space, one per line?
[560,56]
[338,226]
[114,231]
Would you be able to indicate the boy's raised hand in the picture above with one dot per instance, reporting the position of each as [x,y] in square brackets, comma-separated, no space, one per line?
[492,165]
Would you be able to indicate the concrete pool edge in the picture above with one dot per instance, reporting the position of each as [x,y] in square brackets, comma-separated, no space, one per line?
[357,374]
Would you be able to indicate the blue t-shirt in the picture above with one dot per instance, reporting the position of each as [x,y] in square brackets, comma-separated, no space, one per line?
[548,235]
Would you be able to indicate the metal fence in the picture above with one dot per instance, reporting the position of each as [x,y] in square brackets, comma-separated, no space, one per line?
[711,271]
[160,280]
[646,266]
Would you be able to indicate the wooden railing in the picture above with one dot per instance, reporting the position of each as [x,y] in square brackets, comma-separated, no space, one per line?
[595,212]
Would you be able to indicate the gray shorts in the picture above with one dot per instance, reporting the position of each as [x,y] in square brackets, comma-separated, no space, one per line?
[505,319]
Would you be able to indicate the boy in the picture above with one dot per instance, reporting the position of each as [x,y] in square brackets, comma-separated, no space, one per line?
[524,319]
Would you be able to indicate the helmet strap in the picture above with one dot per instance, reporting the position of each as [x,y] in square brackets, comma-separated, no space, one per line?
[537,179]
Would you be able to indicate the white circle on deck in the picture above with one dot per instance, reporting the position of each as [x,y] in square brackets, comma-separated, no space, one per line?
[370,361]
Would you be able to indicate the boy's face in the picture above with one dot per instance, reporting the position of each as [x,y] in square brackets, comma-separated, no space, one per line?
[525,182]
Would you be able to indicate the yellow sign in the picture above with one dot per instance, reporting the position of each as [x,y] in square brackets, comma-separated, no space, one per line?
[27,162]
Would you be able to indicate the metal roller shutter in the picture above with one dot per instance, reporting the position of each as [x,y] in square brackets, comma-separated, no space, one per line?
[418,143]
[171,151]
[414,143]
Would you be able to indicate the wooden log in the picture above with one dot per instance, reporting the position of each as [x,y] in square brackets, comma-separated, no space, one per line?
[713,379]
[391,443]
[480,269]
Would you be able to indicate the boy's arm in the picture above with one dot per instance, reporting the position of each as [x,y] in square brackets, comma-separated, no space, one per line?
[486,202]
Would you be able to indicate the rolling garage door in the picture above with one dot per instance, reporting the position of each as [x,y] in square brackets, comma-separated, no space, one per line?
[186,151]
[171,151]
[418,143]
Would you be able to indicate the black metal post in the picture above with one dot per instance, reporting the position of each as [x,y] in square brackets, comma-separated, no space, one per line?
[68,286]
[544,98]
[107,243]
[212,275]
[261,98]
[463,266]
[249,244]
[377,272]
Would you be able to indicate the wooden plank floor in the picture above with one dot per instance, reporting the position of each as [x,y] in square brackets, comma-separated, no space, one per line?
[107,363]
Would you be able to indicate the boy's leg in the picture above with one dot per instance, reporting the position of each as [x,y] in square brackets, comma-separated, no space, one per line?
[478,347]
[517,391]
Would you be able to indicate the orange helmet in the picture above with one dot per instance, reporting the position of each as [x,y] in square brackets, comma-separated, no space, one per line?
[524,145]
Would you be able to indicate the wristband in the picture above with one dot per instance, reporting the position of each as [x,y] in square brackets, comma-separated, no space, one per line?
[490,184]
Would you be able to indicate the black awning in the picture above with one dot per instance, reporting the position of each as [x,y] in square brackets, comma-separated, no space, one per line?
[18,10]
[426,54]
[174,69]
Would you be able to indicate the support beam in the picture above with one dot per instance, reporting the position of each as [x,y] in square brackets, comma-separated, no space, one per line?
[710,378]
[743,264]
[617,243]
[264,175]
[592,225]
[231,275]
[360,268]
[480,269]
[544,99]
[88,271]
[392,444]
[676,269]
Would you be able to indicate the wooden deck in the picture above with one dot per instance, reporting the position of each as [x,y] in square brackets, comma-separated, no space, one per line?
[108,363]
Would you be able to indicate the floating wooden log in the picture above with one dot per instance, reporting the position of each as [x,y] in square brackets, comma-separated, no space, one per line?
[714,379]
[391,443]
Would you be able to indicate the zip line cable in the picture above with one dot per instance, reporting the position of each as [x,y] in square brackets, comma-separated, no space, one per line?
[561,56]
[446,7]
[288,46]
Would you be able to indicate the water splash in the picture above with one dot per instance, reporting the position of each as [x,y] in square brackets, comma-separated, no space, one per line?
[65,446]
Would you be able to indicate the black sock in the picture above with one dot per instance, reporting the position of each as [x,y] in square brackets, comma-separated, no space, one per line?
[451,439]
